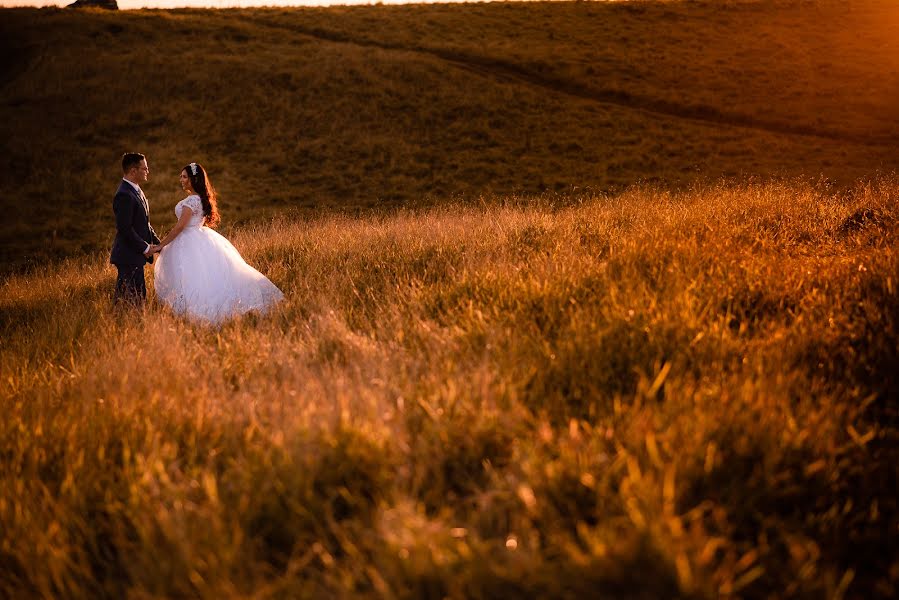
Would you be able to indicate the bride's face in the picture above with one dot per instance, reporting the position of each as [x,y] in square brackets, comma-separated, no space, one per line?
[185,182]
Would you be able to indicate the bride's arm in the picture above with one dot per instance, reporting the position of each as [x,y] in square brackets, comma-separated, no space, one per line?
[186,215]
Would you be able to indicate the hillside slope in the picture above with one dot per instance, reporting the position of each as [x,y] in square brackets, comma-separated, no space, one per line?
[376,106]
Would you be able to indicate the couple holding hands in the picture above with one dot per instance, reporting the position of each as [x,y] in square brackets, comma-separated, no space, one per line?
[199,274]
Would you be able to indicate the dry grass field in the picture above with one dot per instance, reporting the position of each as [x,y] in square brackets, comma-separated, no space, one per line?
[582,300]
[650,395]
[384,106]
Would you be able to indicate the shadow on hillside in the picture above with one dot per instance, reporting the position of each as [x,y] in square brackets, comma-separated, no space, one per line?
[15,58]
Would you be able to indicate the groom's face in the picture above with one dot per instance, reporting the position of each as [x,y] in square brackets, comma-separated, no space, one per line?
[140,173]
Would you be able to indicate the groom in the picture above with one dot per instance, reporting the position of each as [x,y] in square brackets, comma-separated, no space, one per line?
[135,241]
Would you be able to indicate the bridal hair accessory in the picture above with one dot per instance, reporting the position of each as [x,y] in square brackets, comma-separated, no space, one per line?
[193,168]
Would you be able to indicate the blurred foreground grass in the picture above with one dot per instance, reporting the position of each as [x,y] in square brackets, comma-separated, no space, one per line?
[646,395]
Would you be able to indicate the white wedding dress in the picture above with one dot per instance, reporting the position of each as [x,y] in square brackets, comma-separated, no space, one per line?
[202,276]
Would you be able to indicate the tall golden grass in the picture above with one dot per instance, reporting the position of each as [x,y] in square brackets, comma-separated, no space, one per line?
[642,395]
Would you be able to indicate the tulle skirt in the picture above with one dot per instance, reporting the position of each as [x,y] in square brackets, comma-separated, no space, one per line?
[202,276]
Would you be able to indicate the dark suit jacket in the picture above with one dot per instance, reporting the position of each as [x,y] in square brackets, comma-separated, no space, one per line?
[133,230]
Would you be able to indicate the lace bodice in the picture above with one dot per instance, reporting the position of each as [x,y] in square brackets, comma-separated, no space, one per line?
[195,205]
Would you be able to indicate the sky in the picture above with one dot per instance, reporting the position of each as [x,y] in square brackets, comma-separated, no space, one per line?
[130,4]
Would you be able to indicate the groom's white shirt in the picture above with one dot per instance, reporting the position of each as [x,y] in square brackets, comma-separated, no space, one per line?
[136,189]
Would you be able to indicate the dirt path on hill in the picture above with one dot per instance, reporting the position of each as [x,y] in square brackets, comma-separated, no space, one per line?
[510,72]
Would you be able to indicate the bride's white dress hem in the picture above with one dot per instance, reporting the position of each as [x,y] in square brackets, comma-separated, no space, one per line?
[203,277]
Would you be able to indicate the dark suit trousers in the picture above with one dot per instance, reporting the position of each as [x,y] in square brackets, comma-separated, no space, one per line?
[130,286]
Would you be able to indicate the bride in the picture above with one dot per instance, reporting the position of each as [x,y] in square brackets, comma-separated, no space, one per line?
[199,274]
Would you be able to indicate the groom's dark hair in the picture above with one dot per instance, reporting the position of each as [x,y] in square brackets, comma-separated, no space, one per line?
[130,159]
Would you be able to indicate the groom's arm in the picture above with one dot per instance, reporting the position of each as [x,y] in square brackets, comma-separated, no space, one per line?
[123,207]
[153,234]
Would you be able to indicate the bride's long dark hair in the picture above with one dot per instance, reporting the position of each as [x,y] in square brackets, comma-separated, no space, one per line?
[199,180]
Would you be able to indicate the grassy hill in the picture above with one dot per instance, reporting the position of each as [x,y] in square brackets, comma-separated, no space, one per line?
[581,298]
[651,395]
[386,106]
